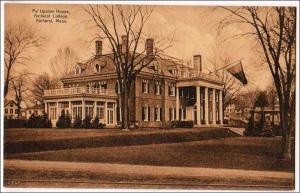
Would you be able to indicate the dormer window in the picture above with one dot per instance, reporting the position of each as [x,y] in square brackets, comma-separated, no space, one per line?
[77,70]
[97,68]
[173,71]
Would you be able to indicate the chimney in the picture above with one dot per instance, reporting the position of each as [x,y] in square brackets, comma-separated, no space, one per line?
[124,43]
[149,46]
[198,63]
[98,45]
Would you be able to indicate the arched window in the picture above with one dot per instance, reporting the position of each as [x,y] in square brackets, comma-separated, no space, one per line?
[97,68]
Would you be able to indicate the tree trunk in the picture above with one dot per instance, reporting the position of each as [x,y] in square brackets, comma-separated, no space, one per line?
[286,133]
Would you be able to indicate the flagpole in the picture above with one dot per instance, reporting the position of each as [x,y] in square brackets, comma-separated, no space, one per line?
[227,65]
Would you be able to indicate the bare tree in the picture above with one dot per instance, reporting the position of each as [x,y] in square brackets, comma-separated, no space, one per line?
[274,29]
[128,22]
[64,62]
[19,39]
[41,83]
[20,92]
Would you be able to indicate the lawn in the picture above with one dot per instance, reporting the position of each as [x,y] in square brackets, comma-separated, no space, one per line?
[250,153]
[35,140]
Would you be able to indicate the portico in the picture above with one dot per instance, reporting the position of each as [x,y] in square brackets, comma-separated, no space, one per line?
[201,100]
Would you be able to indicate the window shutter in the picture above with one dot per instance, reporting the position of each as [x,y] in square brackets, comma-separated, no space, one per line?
[116,87]
[174,113]
[184,113]
[143,89]
[149,114]
[175,91]
[143,114]
[148,87]
[170,114]
[160,90]
[155,89]
[160,114]
[169,90]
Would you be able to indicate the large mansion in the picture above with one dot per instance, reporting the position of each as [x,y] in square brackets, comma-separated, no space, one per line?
[166,90]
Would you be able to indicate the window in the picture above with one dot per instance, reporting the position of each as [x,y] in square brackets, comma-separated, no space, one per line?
[77,70]
[157,114]
[172,89]
[172,114]
[98,68]
[6,110]
[16,111]
[173,71]
[145,113]
[11,111]
[157,88]
[145,86]
[89,111]
[100,110]
[11,104]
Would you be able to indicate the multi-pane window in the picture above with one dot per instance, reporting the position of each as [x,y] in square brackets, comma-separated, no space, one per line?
[103,85]
[100,110]
[182,113]
[145,86]
[172,114]
[172,89]
[77,109]
[157,114]
[146,113]
[11,111]
[157,88]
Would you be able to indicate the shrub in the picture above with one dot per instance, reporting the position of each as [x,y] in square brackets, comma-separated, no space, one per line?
[77,122]
[40,121]
[86,123]
[64,121]
[96,124]
[183,124]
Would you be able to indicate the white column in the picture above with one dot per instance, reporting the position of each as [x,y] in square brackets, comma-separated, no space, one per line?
[83,109]
[214,106]
[198,105]
[70,110]
[46,108]
[105,112]
[95,109]
[221,106]
[57,111]
[206,106]
[177,103]
[115,114]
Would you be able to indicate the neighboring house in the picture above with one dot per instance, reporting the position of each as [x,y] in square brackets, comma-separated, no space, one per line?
[237,113]
[269,112]
[36,109]
[10,109]
[167,90]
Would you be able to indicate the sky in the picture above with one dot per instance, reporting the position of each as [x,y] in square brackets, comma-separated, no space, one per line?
[194,29]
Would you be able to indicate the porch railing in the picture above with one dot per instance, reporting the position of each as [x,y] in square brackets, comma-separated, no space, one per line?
[195,74]
[79,90]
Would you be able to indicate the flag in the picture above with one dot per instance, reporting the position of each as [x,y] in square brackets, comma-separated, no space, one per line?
[238,72]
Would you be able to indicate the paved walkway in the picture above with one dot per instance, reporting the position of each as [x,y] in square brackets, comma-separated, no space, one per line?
[237,130]
[145,170]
